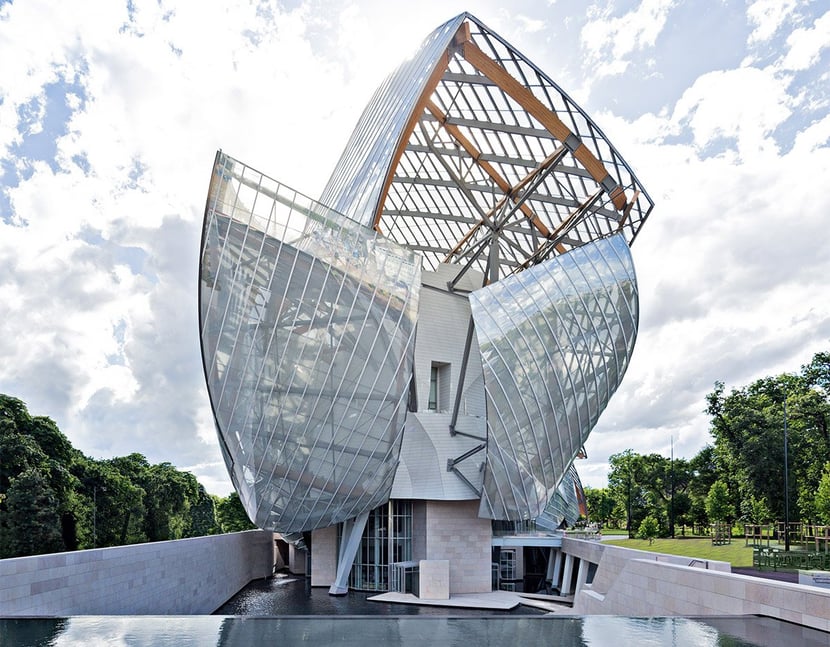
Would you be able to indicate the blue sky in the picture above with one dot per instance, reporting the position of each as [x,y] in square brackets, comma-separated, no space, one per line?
[110,115]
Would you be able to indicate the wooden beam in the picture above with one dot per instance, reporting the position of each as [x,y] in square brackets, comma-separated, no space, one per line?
[522,95]
[488,168]
[512,193]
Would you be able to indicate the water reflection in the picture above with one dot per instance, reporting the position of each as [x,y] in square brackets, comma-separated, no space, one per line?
[591,631]
[287,596]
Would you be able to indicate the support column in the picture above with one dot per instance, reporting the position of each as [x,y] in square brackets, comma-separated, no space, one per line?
[349,543]
[554,567]
[581,575]
[567,574]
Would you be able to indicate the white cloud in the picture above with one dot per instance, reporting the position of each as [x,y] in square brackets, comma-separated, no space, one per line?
[98,257]
[744,104]
[610,40]
[767,16]
[807,44]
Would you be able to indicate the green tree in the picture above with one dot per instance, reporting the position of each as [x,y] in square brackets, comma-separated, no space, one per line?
[822,501]
[649,529]
[31,522]
[718,504]
[203,519]
[26,444]
[748,428]
[232,516]
[649,484]
[169,493]
[600,505]
[755,510]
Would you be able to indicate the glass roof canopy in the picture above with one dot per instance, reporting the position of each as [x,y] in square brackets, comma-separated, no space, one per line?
[494,167]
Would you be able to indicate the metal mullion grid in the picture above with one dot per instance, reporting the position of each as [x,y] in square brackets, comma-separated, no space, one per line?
[357,383]
[212,210]
[237,272]
[334,390]
[414,225]
[355,451]
[601,312]
[397,233]
[551,330]
[278,363]
[288,431]
[406,189]
[505,106]
[458,103]
[252,333]
[455,230]
[588,318]
[508,310]
[394,445]
[497,382]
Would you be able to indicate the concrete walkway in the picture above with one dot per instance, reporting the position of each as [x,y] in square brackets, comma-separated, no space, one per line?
[492,601]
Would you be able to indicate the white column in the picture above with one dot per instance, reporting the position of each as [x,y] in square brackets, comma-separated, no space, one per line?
[581,575]
[567,574]
[349,543]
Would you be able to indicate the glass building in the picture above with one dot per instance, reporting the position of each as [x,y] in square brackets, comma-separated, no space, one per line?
[415,361]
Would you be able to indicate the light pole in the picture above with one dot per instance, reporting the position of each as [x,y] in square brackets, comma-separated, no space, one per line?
[786,483]
[671,500]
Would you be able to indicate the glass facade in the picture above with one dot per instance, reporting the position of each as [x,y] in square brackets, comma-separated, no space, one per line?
[387,540]
[555,340]
[468,162]
[308,324]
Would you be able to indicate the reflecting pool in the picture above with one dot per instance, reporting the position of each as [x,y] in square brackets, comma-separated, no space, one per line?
[293,596]
[588,631]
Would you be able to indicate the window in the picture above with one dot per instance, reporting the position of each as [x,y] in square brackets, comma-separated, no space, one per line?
[439,387]
[433,388]
[507,563]
[370,570]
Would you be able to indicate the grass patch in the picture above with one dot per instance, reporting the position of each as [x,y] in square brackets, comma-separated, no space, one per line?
[736,553]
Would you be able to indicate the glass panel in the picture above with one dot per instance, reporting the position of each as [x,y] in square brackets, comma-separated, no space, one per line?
[555,342]
[308,325]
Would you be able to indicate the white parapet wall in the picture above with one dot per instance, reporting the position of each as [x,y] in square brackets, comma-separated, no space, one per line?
[186,576]
[637,583]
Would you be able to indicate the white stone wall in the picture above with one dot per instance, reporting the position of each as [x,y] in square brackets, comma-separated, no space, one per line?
[296,560]
[434,579]
[324,556]
[636,583]
[456,533]
[187,576]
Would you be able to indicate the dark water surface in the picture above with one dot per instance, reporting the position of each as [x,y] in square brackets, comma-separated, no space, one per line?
[292,596]
[408,631]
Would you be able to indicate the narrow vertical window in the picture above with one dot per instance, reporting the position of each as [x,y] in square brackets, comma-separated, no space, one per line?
[433,388]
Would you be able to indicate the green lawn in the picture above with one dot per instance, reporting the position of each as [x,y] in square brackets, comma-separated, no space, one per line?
[736,553]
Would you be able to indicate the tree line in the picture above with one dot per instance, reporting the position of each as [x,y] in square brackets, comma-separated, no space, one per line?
[53,498]
[740,475]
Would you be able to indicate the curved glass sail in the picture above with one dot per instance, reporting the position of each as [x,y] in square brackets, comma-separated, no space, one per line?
[308,324]
[555,342]
[566,505]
